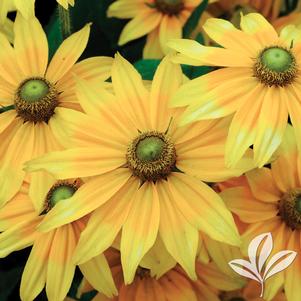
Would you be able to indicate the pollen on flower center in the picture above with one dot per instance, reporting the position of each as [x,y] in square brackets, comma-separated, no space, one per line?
[35,100]
[169,7]
[151,156]
[142,272]
[290,208]
[275,66]
[61,190]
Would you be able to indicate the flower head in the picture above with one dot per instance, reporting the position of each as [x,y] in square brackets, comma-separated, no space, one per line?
[148,171]
[259,84]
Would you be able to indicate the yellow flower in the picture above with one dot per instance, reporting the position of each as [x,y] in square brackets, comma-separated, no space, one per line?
[43,96]
[50,261]
[25,7]
[173,285]
[160,20]
[260,83]
[270,202]
[149,171]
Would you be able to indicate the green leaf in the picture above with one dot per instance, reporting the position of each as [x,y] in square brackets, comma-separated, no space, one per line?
[147,68]
[194,18]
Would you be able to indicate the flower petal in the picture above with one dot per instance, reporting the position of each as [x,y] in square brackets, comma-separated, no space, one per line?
[67,54]
[19,236]
[6,119]
[152,48]
[179,236]
[98,274]
[257,26]
[87,198]
[26,8]
[140,229]
[204,209]
[31,46]
[143,23]
[105,223]
[60,269]
[124,9]
[34,274]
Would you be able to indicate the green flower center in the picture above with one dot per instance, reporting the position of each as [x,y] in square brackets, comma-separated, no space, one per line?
[169,7]
[290,208]
[36,99]
[61,193]
[277,59]
[275,66]
[150,149]
[34,90]
[61,190]
[151,156]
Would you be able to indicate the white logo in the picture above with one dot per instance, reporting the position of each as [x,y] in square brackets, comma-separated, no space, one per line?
[253,269]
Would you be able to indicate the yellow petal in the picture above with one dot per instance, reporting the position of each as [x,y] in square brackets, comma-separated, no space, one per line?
[20,208]
[105,223]
[152,48]
[78,162]
[6,119]
[34,274]
[241,201]
[60,269]
[19,150]
[243,128]
[166,81]
[124,9]
[179,237]
[67,54]
[98,273]
[224,33]
[271,125]
[31,46]
[87,198]
[129,87]
[193,53]
[263,185]
[257,26]
[289,34]
[140,229]
[25,7]
[145,22]
[204,209]
[19,236]
[170,28]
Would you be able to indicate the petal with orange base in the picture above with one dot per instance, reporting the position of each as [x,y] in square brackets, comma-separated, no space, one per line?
[140,229]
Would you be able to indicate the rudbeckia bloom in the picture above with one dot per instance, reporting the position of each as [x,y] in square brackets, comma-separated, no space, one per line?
[173,285]
[42,96]
[148,171]
[270,201]
[25,7]
[160,20]
[260,83]
[50,260]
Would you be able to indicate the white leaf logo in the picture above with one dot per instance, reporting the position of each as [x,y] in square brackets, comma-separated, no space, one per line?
[260,248]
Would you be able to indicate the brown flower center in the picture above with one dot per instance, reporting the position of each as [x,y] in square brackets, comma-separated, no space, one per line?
[151,156]
[169,7]
[36,100]
[61,190]
[142,272]
[275,66]
[290,208]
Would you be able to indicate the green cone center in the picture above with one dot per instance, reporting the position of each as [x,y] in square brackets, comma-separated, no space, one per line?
[150,149]
[61,193]
[34,90]
[277,59]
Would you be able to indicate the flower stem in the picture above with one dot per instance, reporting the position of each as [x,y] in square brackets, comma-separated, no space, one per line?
[65,21]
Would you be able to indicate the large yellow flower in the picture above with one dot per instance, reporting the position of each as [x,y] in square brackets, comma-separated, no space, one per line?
[25,7]
[42,96]
[270,202]
[173,285]
[50,261]
[149,171]
[260,83]
[160,20]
